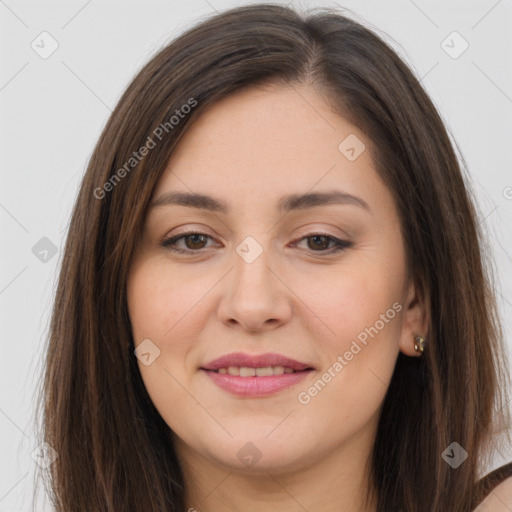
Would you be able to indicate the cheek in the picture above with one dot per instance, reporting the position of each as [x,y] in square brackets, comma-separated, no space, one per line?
[153,313]
[345,304]
[356,325]
[166,309]
[358,359]
[159,300]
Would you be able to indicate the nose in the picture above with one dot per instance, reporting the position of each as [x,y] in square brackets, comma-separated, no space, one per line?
[255,297]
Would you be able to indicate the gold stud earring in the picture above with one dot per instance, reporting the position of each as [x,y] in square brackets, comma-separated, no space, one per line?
[419,344]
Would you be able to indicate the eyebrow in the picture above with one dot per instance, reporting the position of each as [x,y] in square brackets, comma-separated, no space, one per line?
[285,204]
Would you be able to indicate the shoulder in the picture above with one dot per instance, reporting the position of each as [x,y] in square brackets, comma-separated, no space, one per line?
[499,499]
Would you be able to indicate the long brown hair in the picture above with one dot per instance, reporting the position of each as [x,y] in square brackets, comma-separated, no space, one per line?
[113,446]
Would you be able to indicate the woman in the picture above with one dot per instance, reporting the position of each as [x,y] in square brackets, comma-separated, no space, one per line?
[273,295]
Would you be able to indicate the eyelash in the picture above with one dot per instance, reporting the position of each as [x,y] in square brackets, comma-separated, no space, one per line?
[340,245]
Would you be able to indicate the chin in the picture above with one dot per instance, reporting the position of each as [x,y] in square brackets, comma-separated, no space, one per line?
[257,453]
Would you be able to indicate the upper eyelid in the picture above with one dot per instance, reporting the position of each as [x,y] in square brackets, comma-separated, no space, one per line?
[203,231]
[299,237]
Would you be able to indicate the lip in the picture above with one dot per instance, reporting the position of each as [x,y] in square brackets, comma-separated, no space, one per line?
[255,386]
[255,361]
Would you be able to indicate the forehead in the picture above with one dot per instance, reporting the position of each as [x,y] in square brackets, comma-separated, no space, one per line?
[264,141]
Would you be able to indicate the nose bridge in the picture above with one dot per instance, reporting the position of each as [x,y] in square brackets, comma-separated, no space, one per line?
[254,296]
[252,272]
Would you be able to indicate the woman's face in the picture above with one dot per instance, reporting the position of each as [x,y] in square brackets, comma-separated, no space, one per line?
[264,278]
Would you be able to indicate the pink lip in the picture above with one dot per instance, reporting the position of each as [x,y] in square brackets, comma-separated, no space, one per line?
[255,386]
[258,361]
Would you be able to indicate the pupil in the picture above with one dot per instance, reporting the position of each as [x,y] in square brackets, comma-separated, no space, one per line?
[195,240]
[324,245]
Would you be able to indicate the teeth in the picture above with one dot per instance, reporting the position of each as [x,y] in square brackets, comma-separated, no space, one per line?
[247,372]
[263,372]
[278,370]
[244,371]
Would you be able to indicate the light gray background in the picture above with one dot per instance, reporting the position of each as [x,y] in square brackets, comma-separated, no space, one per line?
[52,112]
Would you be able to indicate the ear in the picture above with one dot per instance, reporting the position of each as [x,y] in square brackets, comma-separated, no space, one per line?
[415,319]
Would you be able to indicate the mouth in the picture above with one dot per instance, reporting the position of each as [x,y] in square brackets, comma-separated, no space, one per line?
[252,376]
[248,371]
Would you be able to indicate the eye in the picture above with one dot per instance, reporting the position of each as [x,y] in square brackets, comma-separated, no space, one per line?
[194,242]
[319,242]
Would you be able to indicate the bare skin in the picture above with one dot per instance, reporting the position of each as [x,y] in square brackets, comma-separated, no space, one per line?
[499,500]
[297,298]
